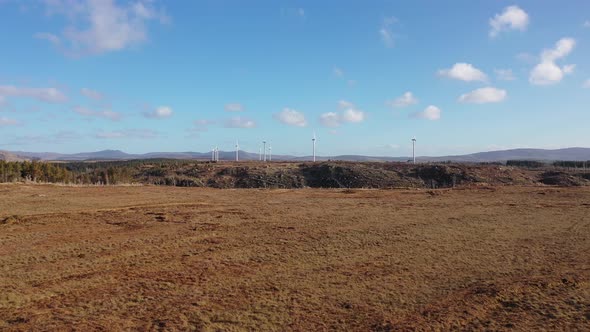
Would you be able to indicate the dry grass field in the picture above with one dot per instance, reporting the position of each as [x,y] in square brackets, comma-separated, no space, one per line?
[165,258]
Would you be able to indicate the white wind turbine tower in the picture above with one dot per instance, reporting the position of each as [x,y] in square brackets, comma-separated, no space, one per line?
[216,154]
[269,152]
[414,150]
[212,154]
[259,153]
[264,149]
[313,140]
[237,150]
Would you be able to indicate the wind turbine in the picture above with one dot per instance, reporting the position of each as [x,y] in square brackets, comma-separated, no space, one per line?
[269,152]
[414,149]
[212,154]
[237,151]
[313,140]
[264,149]
[259,153]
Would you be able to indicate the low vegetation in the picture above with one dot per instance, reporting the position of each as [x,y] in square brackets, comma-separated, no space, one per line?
[557,164]
[294,175]
[155,258]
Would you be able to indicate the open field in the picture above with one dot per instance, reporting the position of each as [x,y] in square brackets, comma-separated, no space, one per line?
[168,258]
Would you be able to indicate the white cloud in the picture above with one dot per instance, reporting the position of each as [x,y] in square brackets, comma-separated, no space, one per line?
[353,115]
[504,74]
[405,100]
[429,113]
[106,114]
[239,122]
[338,72]
[343,104]
[128,133]
[330,119]
[161,112]
[569,69]
[386,32]
[29,139]
[55,40]
[8,122]
[526,57]
[291,117]
[464,72]
[202,122]
[293,12]
[234,107]
[110,134]
[50,95]
[562,48]
[386,36]
[200,126]
[587,84]
[92,94]
[587,24]
[57,138]
[145,11]
[65,135]
[512,18]
[84,111]
[390,146]
[484,96]
[99,26]
[350,113]
[548,72]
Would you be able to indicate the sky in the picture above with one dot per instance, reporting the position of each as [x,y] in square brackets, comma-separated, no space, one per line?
[140,76]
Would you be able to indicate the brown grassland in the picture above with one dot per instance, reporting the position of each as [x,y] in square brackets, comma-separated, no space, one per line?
[165,258]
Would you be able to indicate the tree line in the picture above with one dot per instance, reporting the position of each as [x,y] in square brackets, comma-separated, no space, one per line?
[540,164]
[44,172]
[33,171]
[152,171]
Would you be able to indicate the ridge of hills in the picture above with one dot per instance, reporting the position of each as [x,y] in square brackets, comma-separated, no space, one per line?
[573,154]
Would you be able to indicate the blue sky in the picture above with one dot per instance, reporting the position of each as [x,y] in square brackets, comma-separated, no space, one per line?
[462,76]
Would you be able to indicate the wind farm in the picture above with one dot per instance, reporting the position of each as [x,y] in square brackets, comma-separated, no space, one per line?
[265,241]
[298,165]
[362,245]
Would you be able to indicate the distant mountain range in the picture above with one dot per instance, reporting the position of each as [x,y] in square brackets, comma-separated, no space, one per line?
[7,156]
[577,154]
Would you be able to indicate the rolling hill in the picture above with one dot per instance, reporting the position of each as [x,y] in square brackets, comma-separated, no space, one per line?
[8,156]
[576,154]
